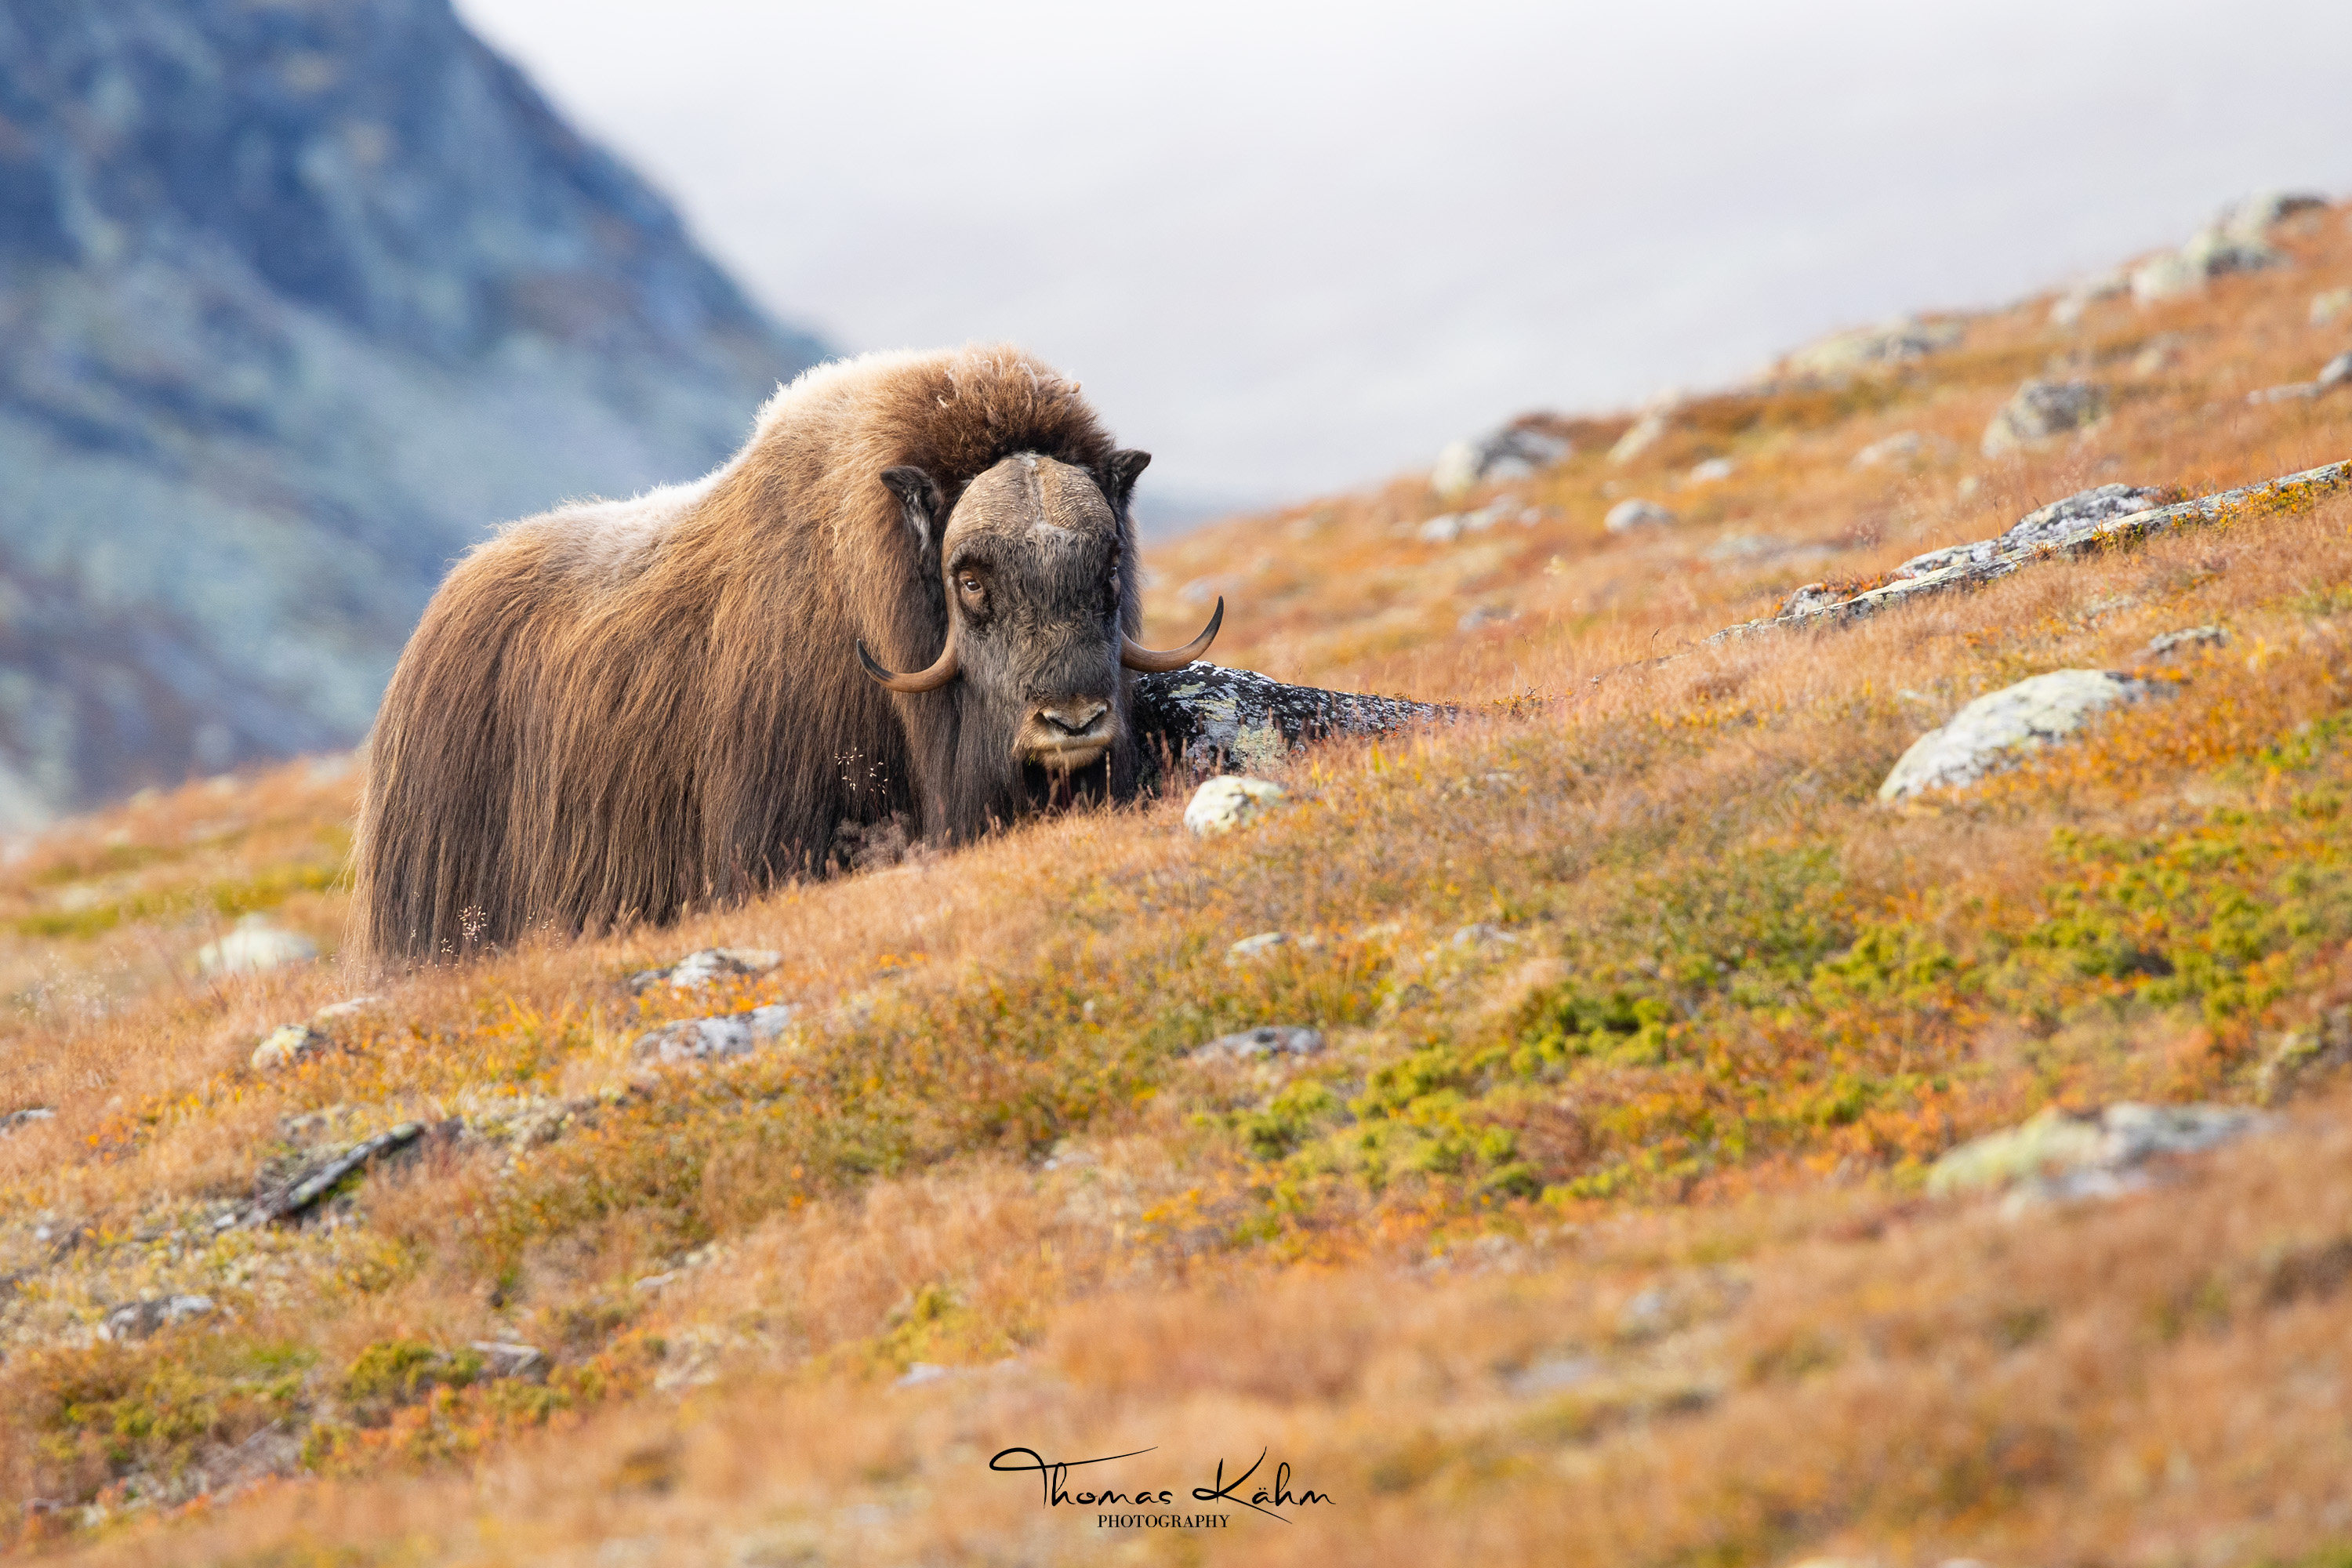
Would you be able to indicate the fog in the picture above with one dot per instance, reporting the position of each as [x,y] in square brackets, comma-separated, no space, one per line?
[1295,247]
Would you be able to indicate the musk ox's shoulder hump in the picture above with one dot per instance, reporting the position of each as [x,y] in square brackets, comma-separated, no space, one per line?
[605,541]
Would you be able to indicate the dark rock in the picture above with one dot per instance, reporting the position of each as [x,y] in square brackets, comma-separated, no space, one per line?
[1204,719]
[2041,409]
[293,1195]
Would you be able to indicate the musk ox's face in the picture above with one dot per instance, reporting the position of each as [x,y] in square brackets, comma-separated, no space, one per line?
[1031,558]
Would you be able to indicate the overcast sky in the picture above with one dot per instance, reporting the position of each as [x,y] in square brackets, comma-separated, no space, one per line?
[1295,247]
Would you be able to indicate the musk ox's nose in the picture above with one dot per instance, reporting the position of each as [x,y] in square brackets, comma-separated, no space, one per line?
[1075,719]
[1066,733]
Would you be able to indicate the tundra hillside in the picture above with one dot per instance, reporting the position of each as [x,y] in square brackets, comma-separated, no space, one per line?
[1600,1230]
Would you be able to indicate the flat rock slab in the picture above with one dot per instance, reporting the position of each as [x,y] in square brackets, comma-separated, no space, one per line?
[1996,730]
[1971,565]
[1205,718]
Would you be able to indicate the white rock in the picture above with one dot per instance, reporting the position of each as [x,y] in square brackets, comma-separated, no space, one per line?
[138,1320]
[2166,276]
[2040,409]
[1995,731]
[1455,470]
[1900,448]
[1710,471]
[12,1120]
[285,1045]
[697,969]
[1230,801]
[2058,1155]
[715,1039]
[1509,452]
[2069,307]
[1629,515]
[2192,637]
[1890,345]
[336,1011]
[2325,307]
[1272,1040]
[1257,946]
[2336,371]
[253,947]
[1646,432]
[505,1358]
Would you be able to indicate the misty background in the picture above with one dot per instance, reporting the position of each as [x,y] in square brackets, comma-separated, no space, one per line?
[1297,247]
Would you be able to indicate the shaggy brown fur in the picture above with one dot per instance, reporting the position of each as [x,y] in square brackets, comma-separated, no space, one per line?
[616,711]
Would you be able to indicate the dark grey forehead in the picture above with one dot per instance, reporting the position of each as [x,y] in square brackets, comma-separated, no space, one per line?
[1036,501]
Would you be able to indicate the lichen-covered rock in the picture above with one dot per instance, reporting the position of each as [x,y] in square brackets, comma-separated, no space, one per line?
[2041,409]
[1272,1040]
[714,1038]
[1817,605]
[285,1045]
[2058,1155]
[1227,802]
[2055,526]
[140,1319]
[1515,449]
[253,947]
[1204,719]
[2167,642]
[2237,240]
[1997,730]
[335,1012]
[1628,515]
[1846,352]
[707,967]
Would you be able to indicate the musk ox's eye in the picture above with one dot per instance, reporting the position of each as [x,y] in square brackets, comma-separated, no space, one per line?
[970,585]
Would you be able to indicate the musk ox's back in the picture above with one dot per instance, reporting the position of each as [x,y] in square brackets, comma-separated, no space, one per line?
[617,710]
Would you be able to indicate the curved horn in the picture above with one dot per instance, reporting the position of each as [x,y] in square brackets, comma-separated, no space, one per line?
[1151,661]
[941,671]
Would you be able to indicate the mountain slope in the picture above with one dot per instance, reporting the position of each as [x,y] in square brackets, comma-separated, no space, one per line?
[297,299]
[1605,1218]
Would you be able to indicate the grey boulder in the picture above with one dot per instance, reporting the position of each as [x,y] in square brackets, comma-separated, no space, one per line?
[714,1038]
[2041,409]
[1997,731]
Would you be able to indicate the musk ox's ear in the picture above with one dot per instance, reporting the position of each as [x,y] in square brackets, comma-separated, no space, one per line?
[1124,467]
[919,503]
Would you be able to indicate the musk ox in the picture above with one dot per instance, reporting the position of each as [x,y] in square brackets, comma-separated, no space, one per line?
[618,710]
